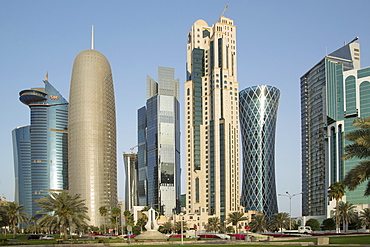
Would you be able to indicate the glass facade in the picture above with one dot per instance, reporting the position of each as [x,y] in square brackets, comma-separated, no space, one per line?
[333,93]
[40,149]
[258,107]
[159,144]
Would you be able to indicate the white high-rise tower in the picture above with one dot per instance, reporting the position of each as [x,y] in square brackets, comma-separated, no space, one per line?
[211,121]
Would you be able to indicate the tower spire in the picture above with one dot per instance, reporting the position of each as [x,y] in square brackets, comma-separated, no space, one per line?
[92,37]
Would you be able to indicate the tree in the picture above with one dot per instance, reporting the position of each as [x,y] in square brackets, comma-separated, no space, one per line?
[103,213]
[346,214]
[116,212]
[280,221]
[48,221]
[314,224]
[4,221]
[126,214]
[258,223]
[166,227]
[329,224]
[235,218]
[213,224]
[177,226]
[360,148]
[336,191]
[14,215]
[68,210]
[365,217]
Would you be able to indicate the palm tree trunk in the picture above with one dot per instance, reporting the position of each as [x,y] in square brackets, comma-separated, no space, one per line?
[337,216]
[14,233]
[65,233]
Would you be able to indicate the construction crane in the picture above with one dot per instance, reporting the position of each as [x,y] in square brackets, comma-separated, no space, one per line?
[223,12]
[133,148]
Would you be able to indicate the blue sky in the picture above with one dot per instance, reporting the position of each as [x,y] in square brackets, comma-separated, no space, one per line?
[277,42]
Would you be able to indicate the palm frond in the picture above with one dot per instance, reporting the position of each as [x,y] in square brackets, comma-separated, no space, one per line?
[357,175]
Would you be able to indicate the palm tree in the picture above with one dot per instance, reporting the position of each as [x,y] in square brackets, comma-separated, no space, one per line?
[103,212]
[3,218]
[14,215]
[336,191]
[346,214]
[360,148]
[116,212]
[280,221]
[365,217]
[126,214]
[68,210]
[166,227]
[213,224]
[258,223]
[235,217]
[48,221]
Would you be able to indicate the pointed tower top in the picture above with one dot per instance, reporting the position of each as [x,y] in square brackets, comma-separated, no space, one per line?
[92,37]
[46,77]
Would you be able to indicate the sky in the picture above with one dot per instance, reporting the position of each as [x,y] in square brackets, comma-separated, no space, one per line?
[277,42]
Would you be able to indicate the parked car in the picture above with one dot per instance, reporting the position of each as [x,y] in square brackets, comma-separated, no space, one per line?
[33,237]
[44,237]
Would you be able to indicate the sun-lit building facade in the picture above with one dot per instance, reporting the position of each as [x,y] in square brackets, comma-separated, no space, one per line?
[211,122]
[92,134]
[40,149]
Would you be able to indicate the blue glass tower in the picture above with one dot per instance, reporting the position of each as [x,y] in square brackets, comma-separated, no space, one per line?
[334,92]
[159,144]
[258,107]
[40,149]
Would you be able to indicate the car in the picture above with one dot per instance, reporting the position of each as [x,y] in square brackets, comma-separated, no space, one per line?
[33,237]
[47,237]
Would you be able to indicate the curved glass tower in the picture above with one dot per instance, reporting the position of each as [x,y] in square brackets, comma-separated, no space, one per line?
[40,149]
[258,107]
[92,134]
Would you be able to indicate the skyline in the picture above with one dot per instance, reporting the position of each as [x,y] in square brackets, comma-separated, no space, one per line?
[282,45]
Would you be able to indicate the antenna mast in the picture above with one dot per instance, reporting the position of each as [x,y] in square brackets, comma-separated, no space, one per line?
[92,37]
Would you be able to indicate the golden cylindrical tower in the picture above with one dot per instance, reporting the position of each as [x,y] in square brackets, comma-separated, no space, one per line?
[92,167]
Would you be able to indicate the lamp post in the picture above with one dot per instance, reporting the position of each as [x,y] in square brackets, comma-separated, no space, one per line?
[182,229]
[290,205]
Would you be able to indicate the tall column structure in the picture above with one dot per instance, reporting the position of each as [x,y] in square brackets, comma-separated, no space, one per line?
[258,114]
[211,121]
[40,149]
[92,134]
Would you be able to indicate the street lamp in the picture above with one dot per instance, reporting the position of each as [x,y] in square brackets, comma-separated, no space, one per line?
[182,229]
[290,206]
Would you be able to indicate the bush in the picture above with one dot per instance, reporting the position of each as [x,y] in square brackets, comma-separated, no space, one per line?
[328,224]
[314,224]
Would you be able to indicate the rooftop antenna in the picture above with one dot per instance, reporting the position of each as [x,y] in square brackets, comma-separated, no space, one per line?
[223,12]
[92,37]
[354,40]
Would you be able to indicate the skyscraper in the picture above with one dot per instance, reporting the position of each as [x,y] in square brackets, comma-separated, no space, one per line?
[258,107]
[131,170]
[40,149]
[211,121]
[160,147]
[333,93]
[92,134]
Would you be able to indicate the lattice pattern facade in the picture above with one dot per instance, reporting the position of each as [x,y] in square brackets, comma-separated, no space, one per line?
[258,114]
